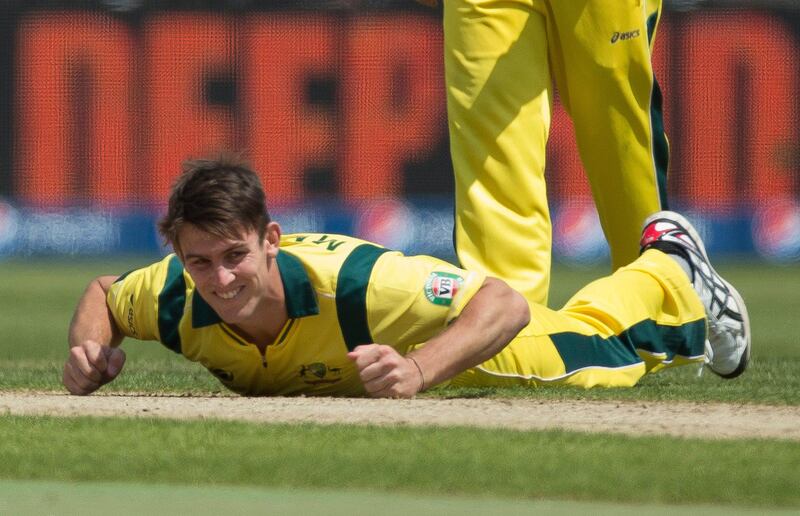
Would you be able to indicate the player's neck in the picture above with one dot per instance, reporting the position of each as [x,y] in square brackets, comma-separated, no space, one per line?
[269,317]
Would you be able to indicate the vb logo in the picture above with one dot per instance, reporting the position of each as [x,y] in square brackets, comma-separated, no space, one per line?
[442,287]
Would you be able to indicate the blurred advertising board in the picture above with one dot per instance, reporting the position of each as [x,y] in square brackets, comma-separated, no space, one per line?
[422,227]
[341,105]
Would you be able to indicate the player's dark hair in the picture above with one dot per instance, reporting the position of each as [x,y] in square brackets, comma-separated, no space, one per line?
[220,196]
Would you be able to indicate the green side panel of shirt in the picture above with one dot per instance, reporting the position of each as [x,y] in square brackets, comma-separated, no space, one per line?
[171,304]
[351,294]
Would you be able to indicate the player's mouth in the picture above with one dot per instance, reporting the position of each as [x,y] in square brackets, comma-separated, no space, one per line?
[230,294]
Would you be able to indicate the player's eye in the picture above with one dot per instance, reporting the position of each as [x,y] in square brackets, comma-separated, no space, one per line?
[236,256]
[198,263]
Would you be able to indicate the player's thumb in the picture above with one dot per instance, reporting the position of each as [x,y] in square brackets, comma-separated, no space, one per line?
[116,359]
[358,351]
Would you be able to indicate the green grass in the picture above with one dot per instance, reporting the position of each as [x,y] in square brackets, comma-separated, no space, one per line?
[126,498]
[39,297]
[430,461]
[53,465]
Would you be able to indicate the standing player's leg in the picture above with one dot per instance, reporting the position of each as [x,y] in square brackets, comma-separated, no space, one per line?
[498,101]
[618,120]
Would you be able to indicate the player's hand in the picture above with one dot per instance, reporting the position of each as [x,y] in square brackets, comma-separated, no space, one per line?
[386,373]
[91,365]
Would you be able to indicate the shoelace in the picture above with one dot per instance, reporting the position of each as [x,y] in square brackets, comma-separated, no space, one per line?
[719,325]
[732,327]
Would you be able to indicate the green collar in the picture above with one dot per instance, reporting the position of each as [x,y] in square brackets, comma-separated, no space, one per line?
[202,314]
[301,300]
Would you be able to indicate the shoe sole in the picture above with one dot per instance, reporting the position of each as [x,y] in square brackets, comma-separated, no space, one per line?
[680,219]
[745,360]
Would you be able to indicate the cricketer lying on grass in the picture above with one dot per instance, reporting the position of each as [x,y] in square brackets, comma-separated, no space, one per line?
[315,314]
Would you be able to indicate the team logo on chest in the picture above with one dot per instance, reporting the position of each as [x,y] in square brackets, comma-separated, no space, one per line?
[318,373]
[442,287]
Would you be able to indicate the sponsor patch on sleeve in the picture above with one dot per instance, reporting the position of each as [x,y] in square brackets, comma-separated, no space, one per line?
[442,287]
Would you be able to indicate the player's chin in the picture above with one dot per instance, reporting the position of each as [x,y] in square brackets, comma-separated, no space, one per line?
[231,312]
[232,316]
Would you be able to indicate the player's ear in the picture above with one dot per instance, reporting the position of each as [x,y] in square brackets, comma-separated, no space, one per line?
[272,238]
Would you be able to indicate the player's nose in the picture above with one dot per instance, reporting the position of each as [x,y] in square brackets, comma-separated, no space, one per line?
[223,276]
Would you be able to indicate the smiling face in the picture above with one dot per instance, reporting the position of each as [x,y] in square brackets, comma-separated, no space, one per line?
[236,276]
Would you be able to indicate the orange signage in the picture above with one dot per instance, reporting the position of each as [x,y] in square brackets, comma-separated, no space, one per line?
[105,111]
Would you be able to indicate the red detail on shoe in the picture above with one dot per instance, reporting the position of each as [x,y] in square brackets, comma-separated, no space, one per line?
[651,234]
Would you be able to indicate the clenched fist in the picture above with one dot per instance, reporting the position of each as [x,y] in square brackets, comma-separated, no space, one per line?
[386,373]
[91,365]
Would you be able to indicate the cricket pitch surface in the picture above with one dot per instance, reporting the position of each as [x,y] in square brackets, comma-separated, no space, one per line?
[680,419]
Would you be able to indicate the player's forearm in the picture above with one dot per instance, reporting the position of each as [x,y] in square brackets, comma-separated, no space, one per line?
[487,324]
[92,319]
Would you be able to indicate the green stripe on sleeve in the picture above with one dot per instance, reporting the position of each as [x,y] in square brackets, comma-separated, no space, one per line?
[580,351]
[351,294]
[123,276]
[171,303]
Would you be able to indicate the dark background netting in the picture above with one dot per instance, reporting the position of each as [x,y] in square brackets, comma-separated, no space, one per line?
[344,100]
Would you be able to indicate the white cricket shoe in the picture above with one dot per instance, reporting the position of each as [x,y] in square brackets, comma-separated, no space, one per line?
[728,343]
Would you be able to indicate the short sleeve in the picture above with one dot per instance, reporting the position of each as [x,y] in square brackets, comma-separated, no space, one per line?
[133,301]
[411,299]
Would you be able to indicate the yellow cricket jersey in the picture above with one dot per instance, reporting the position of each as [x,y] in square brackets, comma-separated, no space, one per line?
[341,292]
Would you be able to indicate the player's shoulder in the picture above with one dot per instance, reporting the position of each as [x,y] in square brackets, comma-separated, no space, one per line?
[156,274]
[321,243]
[327,257]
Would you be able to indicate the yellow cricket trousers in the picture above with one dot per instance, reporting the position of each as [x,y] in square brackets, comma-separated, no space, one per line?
[502,58]
[643,318]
